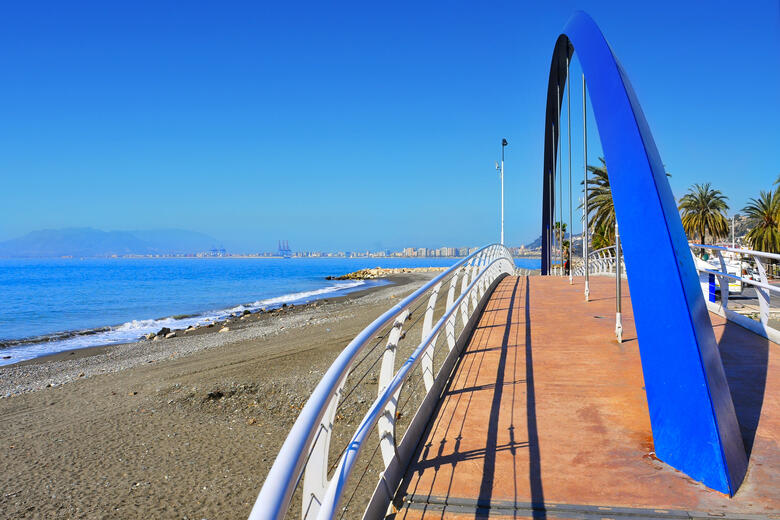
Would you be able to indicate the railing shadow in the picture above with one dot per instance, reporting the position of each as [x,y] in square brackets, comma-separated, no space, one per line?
[491,445]
[745,358]
[534,468]
[491,442]
[433,456]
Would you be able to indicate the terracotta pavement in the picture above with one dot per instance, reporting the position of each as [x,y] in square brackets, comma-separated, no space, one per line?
[546,416]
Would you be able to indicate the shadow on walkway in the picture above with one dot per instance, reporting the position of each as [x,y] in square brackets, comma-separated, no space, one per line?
[745,357]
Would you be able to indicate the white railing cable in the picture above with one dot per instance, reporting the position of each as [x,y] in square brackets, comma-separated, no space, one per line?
[304,454]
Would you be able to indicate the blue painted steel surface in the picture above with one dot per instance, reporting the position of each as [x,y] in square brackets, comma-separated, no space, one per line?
[713,288]
[694,425]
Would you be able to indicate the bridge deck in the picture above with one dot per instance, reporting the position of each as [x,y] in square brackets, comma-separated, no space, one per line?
[546,416]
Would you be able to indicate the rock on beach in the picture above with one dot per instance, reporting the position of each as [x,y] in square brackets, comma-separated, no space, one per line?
[383,272]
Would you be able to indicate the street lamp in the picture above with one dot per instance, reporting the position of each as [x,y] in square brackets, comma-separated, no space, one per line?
[501,174]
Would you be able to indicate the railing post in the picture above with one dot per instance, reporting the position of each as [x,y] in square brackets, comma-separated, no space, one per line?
[450,327]
[618,285]
[426,364]
[723,281]
[763,294]
[586,226]
[386,423]
[315,477]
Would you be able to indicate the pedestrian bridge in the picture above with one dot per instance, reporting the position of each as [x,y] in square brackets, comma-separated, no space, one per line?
[513,394]
[506,394]
[545,415]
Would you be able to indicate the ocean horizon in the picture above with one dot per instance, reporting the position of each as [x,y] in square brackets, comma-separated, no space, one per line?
[55,305]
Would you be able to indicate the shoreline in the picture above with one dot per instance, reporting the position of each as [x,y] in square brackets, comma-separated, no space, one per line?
[58,368]
[181,428]
[176,322]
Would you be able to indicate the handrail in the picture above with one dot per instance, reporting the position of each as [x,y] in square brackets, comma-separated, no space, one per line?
[346,464]
[751,252]
[274,497]
[762,286]
[601,262]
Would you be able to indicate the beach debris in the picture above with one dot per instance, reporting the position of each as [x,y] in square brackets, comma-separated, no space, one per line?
[251,421]
[81,374]
[224,329]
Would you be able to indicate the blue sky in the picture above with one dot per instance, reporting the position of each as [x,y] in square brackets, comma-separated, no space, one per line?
[353,126]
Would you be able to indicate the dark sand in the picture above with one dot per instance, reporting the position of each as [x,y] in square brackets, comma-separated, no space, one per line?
[180,428]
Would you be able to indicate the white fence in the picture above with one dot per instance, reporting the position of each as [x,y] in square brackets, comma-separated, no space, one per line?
[751,272]
[308,471]
[729,267]
[600,262]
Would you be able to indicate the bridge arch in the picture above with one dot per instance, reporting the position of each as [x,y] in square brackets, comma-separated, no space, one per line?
[694,424]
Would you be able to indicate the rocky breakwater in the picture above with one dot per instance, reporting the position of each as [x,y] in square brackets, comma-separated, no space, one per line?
[382,272]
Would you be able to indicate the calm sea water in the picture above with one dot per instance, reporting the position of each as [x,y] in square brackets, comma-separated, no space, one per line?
[46,306]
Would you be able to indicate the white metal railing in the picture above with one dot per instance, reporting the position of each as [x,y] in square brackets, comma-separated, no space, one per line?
[601,262]
[304,456]
[750,271]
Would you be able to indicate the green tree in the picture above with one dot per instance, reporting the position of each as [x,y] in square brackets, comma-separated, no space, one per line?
[763,215]
[601,210]
[599,240]
[703,212]
[560,232]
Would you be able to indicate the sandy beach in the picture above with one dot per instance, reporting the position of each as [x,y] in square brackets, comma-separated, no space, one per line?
[185,427]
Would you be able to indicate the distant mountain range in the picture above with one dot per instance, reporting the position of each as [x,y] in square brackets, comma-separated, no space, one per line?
[89,242]
[577,243]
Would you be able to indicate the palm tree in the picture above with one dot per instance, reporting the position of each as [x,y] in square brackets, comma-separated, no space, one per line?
[763,215]
[600,205]
[599,239]
[560,231]
[703,211]
[601,210]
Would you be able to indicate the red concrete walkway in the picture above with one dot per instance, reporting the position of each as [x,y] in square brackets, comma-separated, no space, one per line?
[546,416]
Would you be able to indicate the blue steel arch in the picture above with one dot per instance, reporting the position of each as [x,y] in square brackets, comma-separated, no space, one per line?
[694,424]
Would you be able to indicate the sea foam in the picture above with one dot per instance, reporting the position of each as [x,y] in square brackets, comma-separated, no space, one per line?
[134,330]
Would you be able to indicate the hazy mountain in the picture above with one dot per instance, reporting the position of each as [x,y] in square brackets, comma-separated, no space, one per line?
[86,242]
[577,243]
[176,241]
[536,243]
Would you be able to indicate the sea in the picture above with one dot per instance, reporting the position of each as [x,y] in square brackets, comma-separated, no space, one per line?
[56,305]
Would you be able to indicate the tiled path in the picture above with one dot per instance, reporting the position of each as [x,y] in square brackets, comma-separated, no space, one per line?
[546,416]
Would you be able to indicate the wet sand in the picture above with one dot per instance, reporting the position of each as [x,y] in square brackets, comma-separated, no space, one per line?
[185,427]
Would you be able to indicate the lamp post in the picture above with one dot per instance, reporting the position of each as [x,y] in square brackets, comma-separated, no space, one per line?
[500,169]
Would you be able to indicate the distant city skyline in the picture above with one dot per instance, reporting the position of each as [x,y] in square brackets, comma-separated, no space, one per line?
[91,242]
[356,126]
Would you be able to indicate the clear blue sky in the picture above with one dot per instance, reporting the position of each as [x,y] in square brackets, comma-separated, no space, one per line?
[351,126]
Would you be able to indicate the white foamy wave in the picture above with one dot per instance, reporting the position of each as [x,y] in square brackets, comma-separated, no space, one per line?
[132,331]
[308,295]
